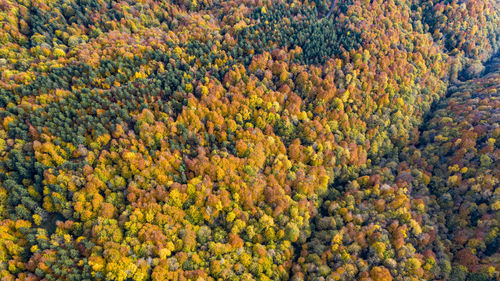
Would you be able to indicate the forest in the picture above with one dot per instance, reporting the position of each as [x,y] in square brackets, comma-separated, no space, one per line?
[203,140]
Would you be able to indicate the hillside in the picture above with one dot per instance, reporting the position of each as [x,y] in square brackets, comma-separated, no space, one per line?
[249,140]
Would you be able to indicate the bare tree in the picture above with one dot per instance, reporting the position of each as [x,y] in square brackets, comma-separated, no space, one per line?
[332,7]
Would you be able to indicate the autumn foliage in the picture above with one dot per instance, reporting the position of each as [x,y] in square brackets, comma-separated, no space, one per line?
[249,140]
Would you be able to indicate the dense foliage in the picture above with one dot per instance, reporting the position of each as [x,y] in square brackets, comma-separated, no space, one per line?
[432,212]
[249,140]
